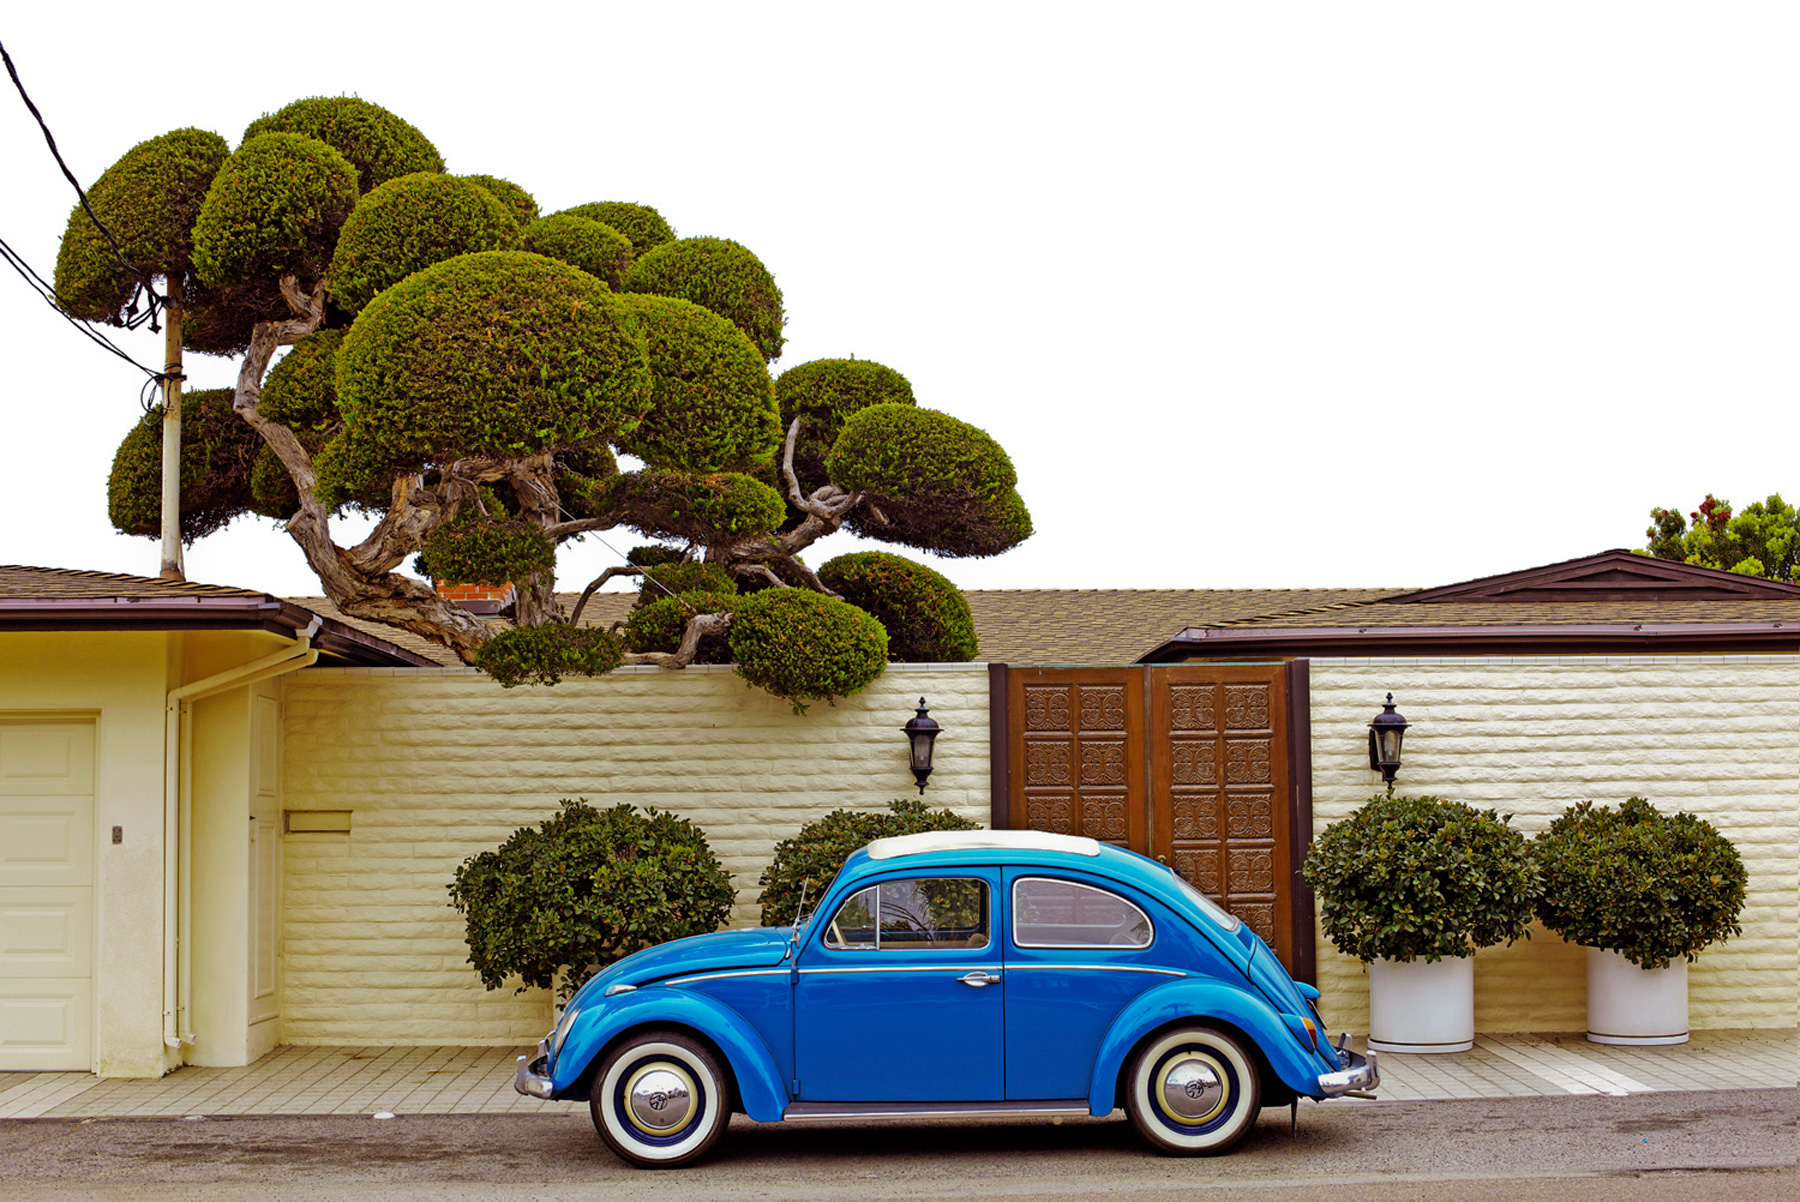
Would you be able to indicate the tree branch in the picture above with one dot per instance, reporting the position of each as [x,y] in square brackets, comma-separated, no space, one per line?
[698,627]
[590,590]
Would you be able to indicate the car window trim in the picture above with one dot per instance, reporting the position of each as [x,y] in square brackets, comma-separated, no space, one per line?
[958,874]
[1013,918]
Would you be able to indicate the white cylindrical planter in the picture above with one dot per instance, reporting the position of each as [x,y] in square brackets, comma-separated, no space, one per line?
[1632,1005]
[1421,1007]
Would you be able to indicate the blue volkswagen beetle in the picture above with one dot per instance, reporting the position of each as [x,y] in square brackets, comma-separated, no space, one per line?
[947,974]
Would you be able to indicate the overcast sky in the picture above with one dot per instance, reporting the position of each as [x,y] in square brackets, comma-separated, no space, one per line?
[1271,295]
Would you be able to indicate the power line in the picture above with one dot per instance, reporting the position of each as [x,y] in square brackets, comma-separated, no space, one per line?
[38,285]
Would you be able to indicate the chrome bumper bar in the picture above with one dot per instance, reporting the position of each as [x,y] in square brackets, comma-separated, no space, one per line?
[1358,1074]
[527,1080]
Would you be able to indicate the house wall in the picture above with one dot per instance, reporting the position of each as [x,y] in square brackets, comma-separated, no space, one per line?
[437,765]
[1718,736]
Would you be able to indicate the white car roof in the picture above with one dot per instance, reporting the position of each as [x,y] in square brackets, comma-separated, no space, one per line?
[933,841]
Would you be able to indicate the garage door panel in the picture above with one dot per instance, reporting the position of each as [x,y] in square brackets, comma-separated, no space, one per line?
[46,759]
[46,933]
[46,840]
[45,1025]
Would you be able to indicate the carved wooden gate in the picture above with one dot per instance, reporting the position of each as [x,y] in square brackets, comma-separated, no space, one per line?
[1203,766]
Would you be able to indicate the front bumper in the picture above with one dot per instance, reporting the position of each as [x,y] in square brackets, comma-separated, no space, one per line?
[1358,1075]
[531,1075]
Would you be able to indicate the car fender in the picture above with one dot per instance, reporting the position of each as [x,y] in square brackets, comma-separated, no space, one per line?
[759,1086]
[1198,1000]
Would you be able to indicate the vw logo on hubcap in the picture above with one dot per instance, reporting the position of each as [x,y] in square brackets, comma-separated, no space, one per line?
[659,1098]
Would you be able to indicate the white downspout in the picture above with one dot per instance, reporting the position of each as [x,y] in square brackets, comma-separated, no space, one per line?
[177,812]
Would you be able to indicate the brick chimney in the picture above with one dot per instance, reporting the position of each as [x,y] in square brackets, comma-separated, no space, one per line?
[483,599]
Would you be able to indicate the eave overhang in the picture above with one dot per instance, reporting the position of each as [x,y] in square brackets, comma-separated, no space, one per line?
[1720,638]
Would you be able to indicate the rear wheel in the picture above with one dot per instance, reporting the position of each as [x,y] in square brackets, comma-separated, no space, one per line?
[1193,1091]
[660,1100]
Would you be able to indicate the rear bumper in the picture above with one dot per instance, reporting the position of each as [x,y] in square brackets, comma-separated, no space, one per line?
[531,1075]
[1358,1075]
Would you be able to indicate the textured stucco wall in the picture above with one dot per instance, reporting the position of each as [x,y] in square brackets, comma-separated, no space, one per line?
[439,765]
[1714,735]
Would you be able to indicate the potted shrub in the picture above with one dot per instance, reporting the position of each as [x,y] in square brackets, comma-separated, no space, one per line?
[1643,891]
[1412,886]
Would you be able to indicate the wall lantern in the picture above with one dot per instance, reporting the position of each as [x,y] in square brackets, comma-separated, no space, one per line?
[921,730]
[1385,734]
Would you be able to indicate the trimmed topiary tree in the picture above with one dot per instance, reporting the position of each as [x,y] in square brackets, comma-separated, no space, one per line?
[805,646]
[558,901]
[409,224]
[717,274]
[599,250]
[926,617]
[274,209]
[658,624]
[1648,885]
[521,202]
[380,145]
[217,457]
[643,225]
[820,849]
[821,394]
[545,654]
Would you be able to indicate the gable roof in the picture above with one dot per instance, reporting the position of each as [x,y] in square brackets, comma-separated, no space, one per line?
[1612,576]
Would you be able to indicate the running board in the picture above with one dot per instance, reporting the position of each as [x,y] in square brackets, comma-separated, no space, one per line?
[813,1112]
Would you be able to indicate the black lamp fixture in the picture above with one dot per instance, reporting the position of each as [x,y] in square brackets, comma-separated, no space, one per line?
[1385,734]
[921,731]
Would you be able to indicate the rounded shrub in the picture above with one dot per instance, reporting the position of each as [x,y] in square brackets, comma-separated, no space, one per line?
[720,275]
[471,550]
[958,527]
[272,490]
[521,203]
[274,207]
[408,224]
[218,451]
[597,249]
[704,508]
[822,394]
[150,200]
[545,654]
[925,616]
[660,625]
[654,555]
[300,391]
[640,223]
[904,452]
[560,900]
[500,353]
[1410,878]
[808,861]
[380,145]
[683,576]
[1648,885]
[713,406]
[803,646]
[219,321]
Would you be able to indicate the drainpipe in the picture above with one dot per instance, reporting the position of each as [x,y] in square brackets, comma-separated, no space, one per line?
[178,810]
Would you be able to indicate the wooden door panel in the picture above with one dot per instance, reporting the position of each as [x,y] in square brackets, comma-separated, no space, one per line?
[1078,754]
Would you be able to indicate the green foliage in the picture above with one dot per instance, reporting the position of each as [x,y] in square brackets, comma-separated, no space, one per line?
[380,145]
[1406,878]
[150,200]
[275,206]
[822,394]
[640,223]
[597,249]
[1763,540]
[680,576]
[714,405]
[545,654]
[408,224]
[583,889]
[498,353]
[695,507]
[301,390]
[471,550]
[1648,885]
[659,625]
[651,555]
[804,646]
[938,484]
[272,490]
[523,205]
[821,847]
[926,616]
[218,450]
[717,274]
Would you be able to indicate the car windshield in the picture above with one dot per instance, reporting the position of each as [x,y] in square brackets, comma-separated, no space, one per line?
[1211,908]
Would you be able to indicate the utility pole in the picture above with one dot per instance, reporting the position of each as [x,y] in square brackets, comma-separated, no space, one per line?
[171,436]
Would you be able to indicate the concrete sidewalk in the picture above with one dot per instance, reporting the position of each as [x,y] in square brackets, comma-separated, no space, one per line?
[474,1080]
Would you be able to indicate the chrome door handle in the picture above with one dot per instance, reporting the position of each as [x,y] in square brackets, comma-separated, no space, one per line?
[980,978]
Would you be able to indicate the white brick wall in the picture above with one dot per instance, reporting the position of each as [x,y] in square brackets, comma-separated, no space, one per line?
[440,765]
[1718,736]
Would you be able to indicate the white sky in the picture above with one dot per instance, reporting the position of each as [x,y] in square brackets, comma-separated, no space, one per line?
[1234,284]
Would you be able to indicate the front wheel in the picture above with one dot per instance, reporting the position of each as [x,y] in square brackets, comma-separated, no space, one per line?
[660,1100]
[1193,1091]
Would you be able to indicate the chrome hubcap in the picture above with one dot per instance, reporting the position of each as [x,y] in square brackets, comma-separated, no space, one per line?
[1193,1091]
[659,1098]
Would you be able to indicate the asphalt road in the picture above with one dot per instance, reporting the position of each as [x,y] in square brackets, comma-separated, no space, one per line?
[1662,1147]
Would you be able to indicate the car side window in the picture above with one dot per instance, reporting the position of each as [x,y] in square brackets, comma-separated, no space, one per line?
[1052,913]
[913,915]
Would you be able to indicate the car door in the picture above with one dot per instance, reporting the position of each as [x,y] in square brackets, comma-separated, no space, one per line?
[900,995]
[1076,954]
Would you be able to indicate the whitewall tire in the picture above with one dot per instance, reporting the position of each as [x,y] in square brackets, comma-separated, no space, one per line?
[1193,1091]
[661,1100]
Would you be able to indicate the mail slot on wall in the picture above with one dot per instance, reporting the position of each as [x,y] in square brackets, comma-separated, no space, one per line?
[317,822]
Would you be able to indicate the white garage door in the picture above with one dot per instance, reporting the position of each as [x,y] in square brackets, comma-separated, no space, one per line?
[46,895]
